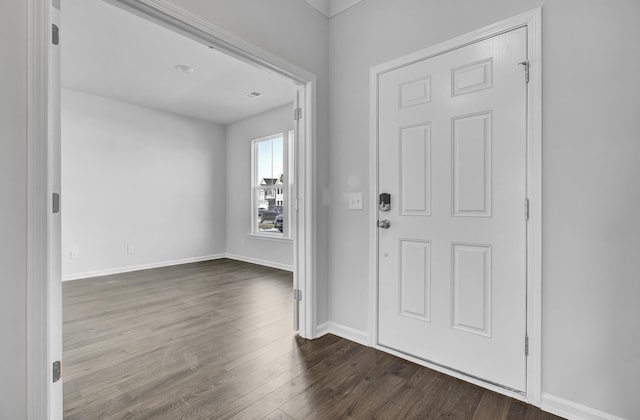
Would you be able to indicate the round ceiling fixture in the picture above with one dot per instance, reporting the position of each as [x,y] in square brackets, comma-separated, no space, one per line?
[182,68]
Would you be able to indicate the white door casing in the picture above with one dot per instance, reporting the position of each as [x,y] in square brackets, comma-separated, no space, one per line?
[55,222]
[455,136]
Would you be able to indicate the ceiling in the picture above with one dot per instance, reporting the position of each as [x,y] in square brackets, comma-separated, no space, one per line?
[330,8]
[110,52]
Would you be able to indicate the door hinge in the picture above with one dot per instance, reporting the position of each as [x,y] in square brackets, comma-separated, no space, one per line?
[526,70]
[55,203]
[55,34]
[526,209]
[297,295]
[56,371]
[297,114]
[526,345]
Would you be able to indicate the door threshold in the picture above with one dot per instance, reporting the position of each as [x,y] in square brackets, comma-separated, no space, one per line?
[483,383]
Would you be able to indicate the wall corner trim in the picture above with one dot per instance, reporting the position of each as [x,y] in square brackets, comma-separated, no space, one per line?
[573,410]
[352,334]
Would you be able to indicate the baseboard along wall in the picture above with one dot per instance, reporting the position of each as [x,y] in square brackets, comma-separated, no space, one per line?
[572,410]
[119,270]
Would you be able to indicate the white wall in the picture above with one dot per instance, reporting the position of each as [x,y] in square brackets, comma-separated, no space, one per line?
[591,176]
[134,175]
[240,245]
[13,209]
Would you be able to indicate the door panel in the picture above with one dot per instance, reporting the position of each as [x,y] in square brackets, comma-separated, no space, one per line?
[415,279]
[415,177]
[471,288]
[452,154]
[472,165]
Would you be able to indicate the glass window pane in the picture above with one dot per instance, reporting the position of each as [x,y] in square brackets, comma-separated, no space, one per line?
[278,158]
[265,159]
[270,194]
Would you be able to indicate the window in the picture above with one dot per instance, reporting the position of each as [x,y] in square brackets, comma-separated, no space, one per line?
[271,162]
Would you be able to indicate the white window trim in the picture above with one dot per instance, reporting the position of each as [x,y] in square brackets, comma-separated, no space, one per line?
[286,206]
[266,237]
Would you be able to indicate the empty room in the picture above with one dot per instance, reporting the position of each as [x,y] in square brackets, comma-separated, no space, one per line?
[432,221]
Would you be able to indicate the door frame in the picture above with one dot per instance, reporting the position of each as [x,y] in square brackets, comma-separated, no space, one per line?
[532,21]
[39,301]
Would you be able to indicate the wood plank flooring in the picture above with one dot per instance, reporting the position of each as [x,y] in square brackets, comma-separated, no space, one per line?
[214,340]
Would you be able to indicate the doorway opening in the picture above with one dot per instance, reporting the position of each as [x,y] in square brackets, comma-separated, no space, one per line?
[44,301]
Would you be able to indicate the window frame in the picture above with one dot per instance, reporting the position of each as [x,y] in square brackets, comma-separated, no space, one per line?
[287,165]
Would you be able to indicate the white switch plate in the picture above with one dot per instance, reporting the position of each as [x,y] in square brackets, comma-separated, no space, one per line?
[131,249]
[75,254]
[355,201]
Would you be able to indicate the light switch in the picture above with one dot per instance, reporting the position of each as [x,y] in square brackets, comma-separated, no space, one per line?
[355,201]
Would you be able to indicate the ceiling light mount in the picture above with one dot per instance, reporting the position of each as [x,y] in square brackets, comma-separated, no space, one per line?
[184,69]
[253,94]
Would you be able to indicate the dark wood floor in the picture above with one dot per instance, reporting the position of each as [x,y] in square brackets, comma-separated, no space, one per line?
[214,340]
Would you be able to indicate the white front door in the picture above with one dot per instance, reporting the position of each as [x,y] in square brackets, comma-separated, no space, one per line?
[452,156]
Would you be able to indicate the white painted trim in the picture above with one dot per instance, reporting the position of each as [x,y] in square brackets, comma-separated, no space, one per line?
[351,334]
[373,205]
[534,189]
[39,380]
[266,237]
[532,20]
[258,261]
[128,269]
[305,250]
[572,410]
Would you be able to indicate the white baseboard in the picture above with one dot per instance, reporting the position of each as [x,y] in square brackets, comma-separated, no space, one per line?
[357,336]
[266,263]
[572,410]
[109,271]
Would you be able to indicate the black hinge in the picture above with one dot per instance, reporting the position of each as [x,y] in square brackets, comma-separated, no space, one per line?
[297,114]
[526,70]
[56,371]
[526,209]
[55,203]
[55,34]
[526,345]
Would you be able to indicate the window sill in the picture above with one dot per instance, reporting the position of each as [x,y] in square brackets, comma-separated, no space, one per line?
[266,236]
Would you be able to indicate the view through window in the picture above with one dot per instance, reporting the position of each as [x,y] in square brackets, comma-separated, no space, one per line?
[270,185]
